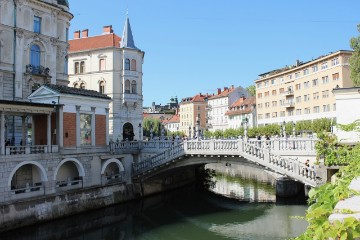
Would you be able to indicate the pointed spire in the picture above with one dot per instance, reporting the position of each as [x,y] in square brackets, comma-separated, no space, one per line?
[127,40]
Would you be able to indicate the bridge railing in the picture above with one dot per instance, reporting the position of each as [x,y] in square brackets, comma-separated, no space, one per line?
[151,146]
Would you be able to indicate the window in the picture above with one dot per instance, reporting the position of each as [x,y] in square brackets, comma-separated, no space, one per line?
[260,116]
[260,105]
[315,82]
[267,104]
[282,114]
[326,108]
[298,86]
[290,76]
[259,95]
[307,110]
[102,66]
[334,61]
[35,56]
[298,111]
[76,85]
[316,95]
[334,107]
[335,76]
[324,65]
[325,94]
[306,71]
[133,65]
[258,85]
[133,87]
[315,68]
[37,24]
[282,102]
[85,129]
[267,115]
[281,90]
[127,64]
[102,87]
[127,86]
[82,67]
[297,74]
[290,113]
[266,83]
[274,103]
[325,79]
[273,81]
[273,92]
[76,67]
[316,109]
[306,84]
[298,99]
[274,114]
[306,97]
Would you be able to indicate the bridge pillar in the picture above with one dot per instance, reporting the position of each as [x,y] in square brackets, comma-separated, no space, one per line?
[286,187]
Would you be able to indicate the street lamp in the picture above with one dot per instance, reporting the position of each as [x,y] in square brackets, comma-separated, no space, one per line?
[151,131]
[294,129]
[140,137]
[190,131]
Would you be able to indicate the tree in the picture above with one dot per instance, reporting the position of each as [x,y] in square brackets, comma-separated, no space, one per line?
[251,89]
[355,59]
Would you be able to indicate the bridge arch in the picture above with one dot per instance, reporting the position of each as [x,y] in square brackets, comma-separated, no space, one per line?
[77,163]
[110,162]
[41,171]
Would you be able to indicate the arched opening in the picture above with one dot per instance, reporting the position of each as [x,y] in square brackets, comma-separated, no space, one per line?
[127,64]
[76,85]
[127,86]
[133,87]
[102,87]
[128,132]
[112,171]
[82,85]
[27,178]
[69,173]
[133,65]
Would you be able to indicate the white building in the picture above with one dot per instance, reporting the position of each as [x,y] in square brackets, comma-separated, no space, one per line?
[113,66]
[219,104]
[33,50]
[242,111]
[347,111]
[172,124]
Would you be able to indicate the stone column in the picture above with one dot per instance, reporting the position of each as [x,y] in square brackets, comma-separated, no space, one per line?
[107,126]
[49,131]
[78,142]
[93,126]
[23,130]
[2,133]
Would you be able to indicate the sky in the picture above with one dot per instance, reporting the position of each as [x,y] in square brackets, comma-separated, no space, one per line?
[197,46]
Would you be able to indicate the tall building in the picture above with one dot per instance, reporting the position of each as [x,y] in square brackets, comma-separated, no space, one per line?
[302,91]
[192,109]
[111,65]
[242,111]
[33,52]
[219,104]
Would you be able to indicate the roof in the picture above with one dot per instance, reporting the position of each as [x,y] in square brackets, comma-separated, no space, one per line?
[197,98]
[238,112]
[224,93]
[95,42]
[173,119]
[247,103]
[76,91]
[127,37]
[242,102]
[23,103]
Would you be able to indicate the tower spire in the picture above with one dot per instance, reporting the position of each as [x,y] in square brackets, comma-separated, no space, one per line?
[127,40]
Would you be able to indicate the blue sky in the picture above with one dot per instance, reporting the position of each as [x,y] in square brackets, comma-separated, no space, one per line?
[194,46]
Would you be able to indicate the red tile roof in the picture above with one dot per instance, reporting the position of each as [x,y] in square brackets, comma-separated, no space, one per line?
[96,42]
[247,103]
[197,98]
[243,102]
[173,119]
[224,93]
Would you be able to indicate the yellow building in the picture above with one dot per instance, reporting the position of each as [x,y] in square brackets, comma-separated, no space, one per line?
[302,91]
[191,109]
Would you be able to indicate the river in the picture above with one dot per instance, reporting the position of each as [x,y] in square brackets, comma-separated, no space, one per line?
[186,213]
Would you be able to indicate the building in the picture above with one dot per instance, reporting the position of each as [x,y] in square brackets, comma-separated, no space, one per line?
[347,113]
[242,111]
[172,106]
[219,104]
[111,65]
[192,109]
[302,91]
[172,124]
[33,51]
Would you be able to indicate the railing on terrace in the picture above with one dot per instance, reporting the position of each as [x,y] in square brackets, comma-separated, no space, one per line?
[257,152]
[31,149]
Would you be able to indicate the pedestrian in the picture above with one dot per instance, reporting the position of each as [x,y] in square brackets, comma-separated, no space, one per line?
[307,164]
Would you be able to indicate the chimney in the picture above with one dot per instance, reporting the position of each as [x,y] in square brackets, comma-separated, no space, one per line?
[219,90]
[225,88]
[107,29]
[85,33]
[232,87]
[77,34]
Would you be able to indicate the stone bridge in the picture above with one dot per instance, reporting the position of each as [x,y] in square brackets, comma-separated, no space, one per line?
[278,155]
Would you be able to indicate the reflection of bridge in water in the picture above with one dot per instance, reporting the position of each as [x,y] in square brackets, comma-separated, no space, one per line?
[279,155]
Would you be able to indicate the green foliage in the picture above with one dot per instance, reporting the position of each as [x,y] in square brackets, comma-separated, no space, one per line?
[251,89]
[146,126]
[323,200]
[355,60]
[177,133]
[355,126]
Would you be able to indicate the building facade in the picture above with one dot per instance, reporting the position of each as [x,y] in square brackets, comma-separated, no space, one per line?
[302,91]
[172,124]
[219,104]
[193,109]
[111,65]
[242,113]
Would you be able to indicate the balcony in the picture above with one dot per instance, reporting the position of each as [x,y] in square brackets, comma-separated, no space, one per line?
[37,70]
[288,93]
[289,104]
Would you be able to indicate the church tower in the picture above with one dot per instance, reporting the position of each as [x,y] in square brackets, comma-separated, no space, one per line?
[130,103]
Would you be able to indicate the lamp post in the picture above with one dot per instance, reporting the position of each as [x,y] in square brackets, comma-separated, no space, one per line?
[284,129]
[151,131]
[190,132]
[294,129]
[245,128]
[140,137]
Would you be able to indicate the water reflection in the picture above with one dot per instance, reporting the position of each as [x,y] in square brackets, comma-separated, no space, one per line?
[182,214]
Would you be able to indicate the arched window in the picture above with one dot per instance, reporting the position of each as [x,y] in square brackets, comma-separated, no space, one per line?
[82,85]
[133,65]
[133,86]
[76,85]
[127,64]
[102,87]
[82,67]
[35,55]
[76,67]
[127,86]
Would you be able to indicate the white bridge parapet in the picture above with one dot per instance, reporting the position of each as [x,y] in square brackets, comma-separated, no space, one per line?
[264,153]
